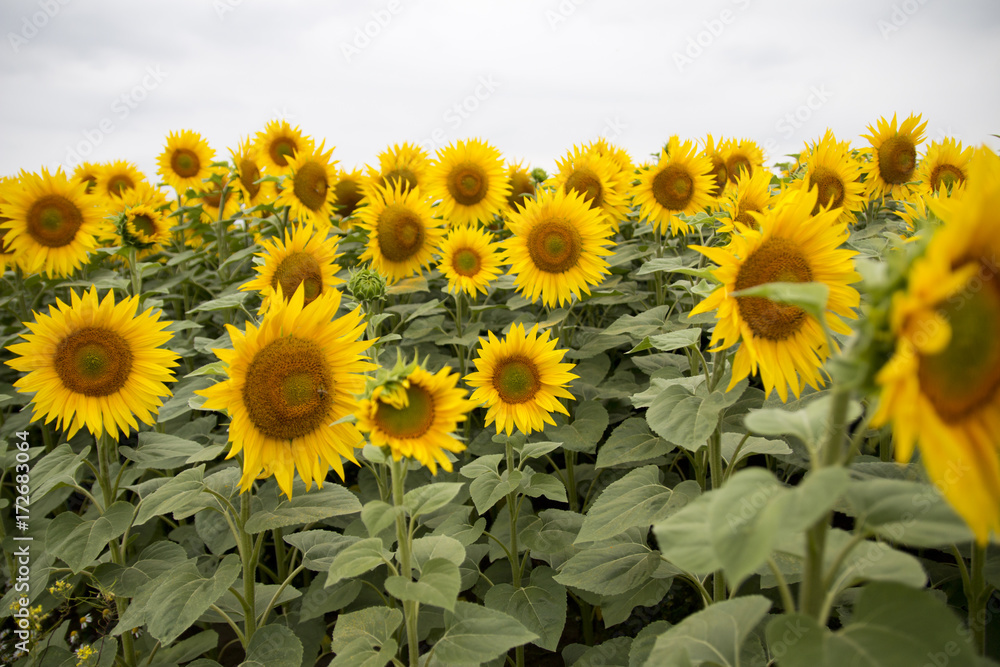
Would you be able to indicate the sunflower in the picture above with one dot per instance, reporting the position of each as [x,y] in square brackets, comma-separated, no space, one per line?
[469,260]
[415,416]
[52,223]
[832,170]
[348,192]
[720,172]
[308,189]
[141,220]
[247,163]
[522,185]
[291,383]
[306,257]
[278,143]
[87,172]
[742,155]
[681,182]
[558,247]
[598,179]
[894,157]
[220,182]
[95,364]
[118,177]
[751,195]
[945,167]
[6,251]
[521,379]
[617,156]
[941,387]
[402,231]
[184,162]
[780,341]
[468,177]
[407,164]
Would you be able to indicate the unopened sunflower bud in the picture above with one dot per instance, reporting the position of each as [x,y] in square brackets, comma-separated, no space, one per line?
[367,285]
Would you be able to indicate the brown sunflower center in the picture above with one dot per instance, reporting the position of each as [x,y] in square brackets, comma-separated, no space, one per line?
[402,175]
[946,176]
[347,195]
[776,260]
[93,361]
[288,388]
[673,187]
[587,184]
[516,380]
[410,422]
[719,174]
[185,163]
[831,188]
[897,159]
[281,149]
[555,245]
[249,175]
[521,187]
[53,221]
[736,164]
[400,233]
[119,183]
[966,374]
[144,224]
[466,262]
[744,217]
[467,183]
[299,268]
[310,185]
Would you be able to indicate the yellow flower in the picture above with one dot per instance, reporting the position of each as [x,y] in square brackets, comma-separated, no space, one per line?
[141,220]
[681,182]
[719,172]
[117,178]
[291,383]
[247,162]
[348,193]
[185,161]
[86,172]
[95,363]
[894,157]
[945,167]
[522,185]
[402,232]
[742,155]
[278,143]
[600,181]
[469,179]
[407,164]
[941,387]
[308,190]
[835,173]
[469,260]
[752,194]
[521,379]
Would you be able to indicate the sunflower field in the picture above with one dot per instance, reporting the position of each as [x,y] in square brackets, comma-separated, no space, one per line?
[689,411]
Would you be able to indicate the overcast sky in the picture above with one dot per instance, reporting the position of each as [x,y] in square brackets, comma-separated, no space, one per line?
[108,79]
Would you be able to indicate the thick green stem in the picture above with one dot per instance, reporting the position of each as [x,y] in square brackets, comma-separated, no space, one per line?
[247,554]
[410,607]
[977,597]
[133,272]
[105,446]
[715,465]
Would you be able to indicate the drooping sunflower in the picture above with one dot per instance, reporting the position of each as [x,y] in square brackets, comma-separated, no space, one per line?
[894,156]
[782,342]
[407,164]
[752,194]
[945,167]
[247,163]
[306,257]
[521,379]
[742,155]
[558,247]
[522,185]
[941,387]
[681,182]
[52,223]
[118,177]
[278,143]
[720,172]
[308,189]
[415,416]
[832,170]
[402,231]
[469,179]
[95,364]
[87,172]
[220,182]
[348,192]
[470,260]
[184,162]
[598,179]
[290,384]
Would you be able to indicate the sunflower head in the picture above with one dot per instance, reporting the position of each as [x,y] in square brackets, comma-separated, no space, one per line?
[141,220]
[402,231]
[87,172]
[308,188]
[752,195]
[742,155]
[835,174]
[279,143]
[522,185]
[185,161]
[348,192]
[248,167]
[598,179]
[894,156]
[618,156]
[469,179]
[720,172]
[945,168]
[367,286]
[469,260]
[406,165]
[116,178]
[680,182]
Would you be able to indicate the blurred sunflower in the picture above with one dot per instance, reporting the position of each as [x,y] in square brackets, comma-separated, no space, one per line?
[681,182]
[894,157]
[248,172]
[95,364]
[278,143]
[220,182]
[308,190]
[469,260]
[415,414]
[291,382]
[185,161]
[348,192]
[945,167]
[116,178]
[558,247]
[832,170]
[751,195]
[617,156]
[407,164]
[780,341]
[306,257]
[52,223]
[469,179]
[522,185]
[402,231]
[742,155]
[719,173]
[6,251]
[87,172]
[521,379]
[599,181]
[941,387]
